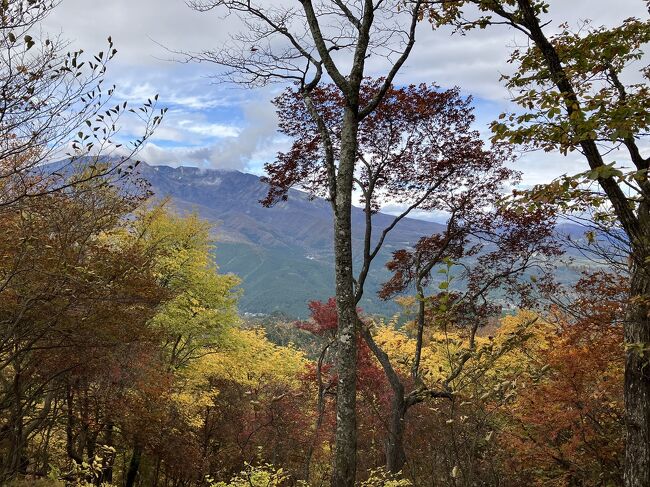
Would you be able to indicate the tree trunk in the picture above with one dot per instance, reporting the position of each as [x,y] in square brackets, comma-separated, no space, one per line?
[73,455]
[637,332]
[107,472]
[394,443]
[637,379]
[415,370]
[134,465]
[395,455]
[156,476]
[344,472]
[16,462]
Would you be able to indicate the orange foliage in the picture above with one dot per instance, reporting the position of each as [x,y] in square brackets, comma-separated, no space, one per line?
[567,423]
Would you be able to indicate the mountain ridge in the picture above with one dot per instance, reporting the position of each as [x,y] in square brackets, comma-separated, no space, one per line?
[283,254]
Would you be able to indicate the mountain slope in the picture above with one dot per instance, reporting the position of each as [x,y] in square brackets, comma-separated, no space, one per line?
[283,254]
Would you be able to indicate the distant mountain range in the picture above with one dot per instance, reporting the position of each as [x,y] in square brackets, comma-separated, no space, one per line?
[283,254]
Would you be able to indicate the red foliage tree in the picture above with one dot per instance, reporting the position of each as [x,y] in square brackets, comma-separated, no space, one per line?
[417,150]
[567,424]
[502,245]
[374,395]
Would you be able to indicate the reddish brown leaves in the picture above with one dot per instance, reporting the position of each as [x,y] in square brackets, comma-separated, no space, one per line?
[566,426]
[417,147]
[324,318]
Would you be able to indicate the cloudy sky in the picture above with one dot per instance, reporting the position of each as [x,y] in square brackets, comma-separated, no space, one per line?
[227,126]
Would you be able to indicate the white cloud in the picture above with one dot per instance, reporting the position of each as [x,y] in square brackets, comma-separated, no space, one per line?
[243,148]
[210,129]
[142,68]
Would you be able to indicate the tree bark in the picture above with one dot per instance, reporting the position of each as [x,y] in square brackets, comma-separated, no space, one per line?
[71,450]
[16,461]
[395,455]
[394,443]
[107,471]
[637,370]
[134,465]
[344,472]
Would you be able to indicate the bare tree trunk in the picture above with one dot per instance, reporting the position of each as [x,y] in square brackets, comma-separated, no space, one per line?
[394,443]
[345,457]
[107,471]
[320,414]
[16,460]
[45,454]
[395,454]
[156,476]
[73,455]
[415,370]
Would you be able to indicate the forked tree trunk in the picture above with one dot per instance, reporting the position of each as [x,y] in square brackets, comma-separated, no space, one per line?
[345,456]
[394,442]
[395,454]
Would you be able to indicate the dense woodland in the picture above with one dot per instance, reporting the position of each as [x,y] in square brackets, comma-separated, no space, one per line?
[124,360]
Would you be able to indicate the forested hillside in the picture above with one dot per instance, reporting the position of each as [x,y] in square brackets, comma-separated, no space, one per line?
[283,254]
[127,357]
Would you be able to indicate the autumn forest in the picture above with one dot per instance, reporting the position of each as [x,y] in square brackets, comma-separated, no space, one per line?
[125,359]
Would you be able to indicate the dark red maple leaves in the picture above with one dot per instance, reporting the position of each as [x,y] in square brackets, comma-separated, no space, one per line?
[323,318]
[417,147]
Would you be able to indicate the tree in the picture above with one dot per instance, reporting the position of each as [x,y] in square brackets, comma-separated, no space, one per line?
[192,323]
[54,105]
[322,324]
[451,440]
[104,305]
[495,249]
[66,294]
[565,425]
[371,385]
[573,95]
[204,302]
[255,403]
[303,44]
[417,149]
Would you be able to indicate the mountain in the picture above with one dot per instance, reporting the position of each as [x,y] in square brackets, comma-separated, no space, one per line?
[283,254]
